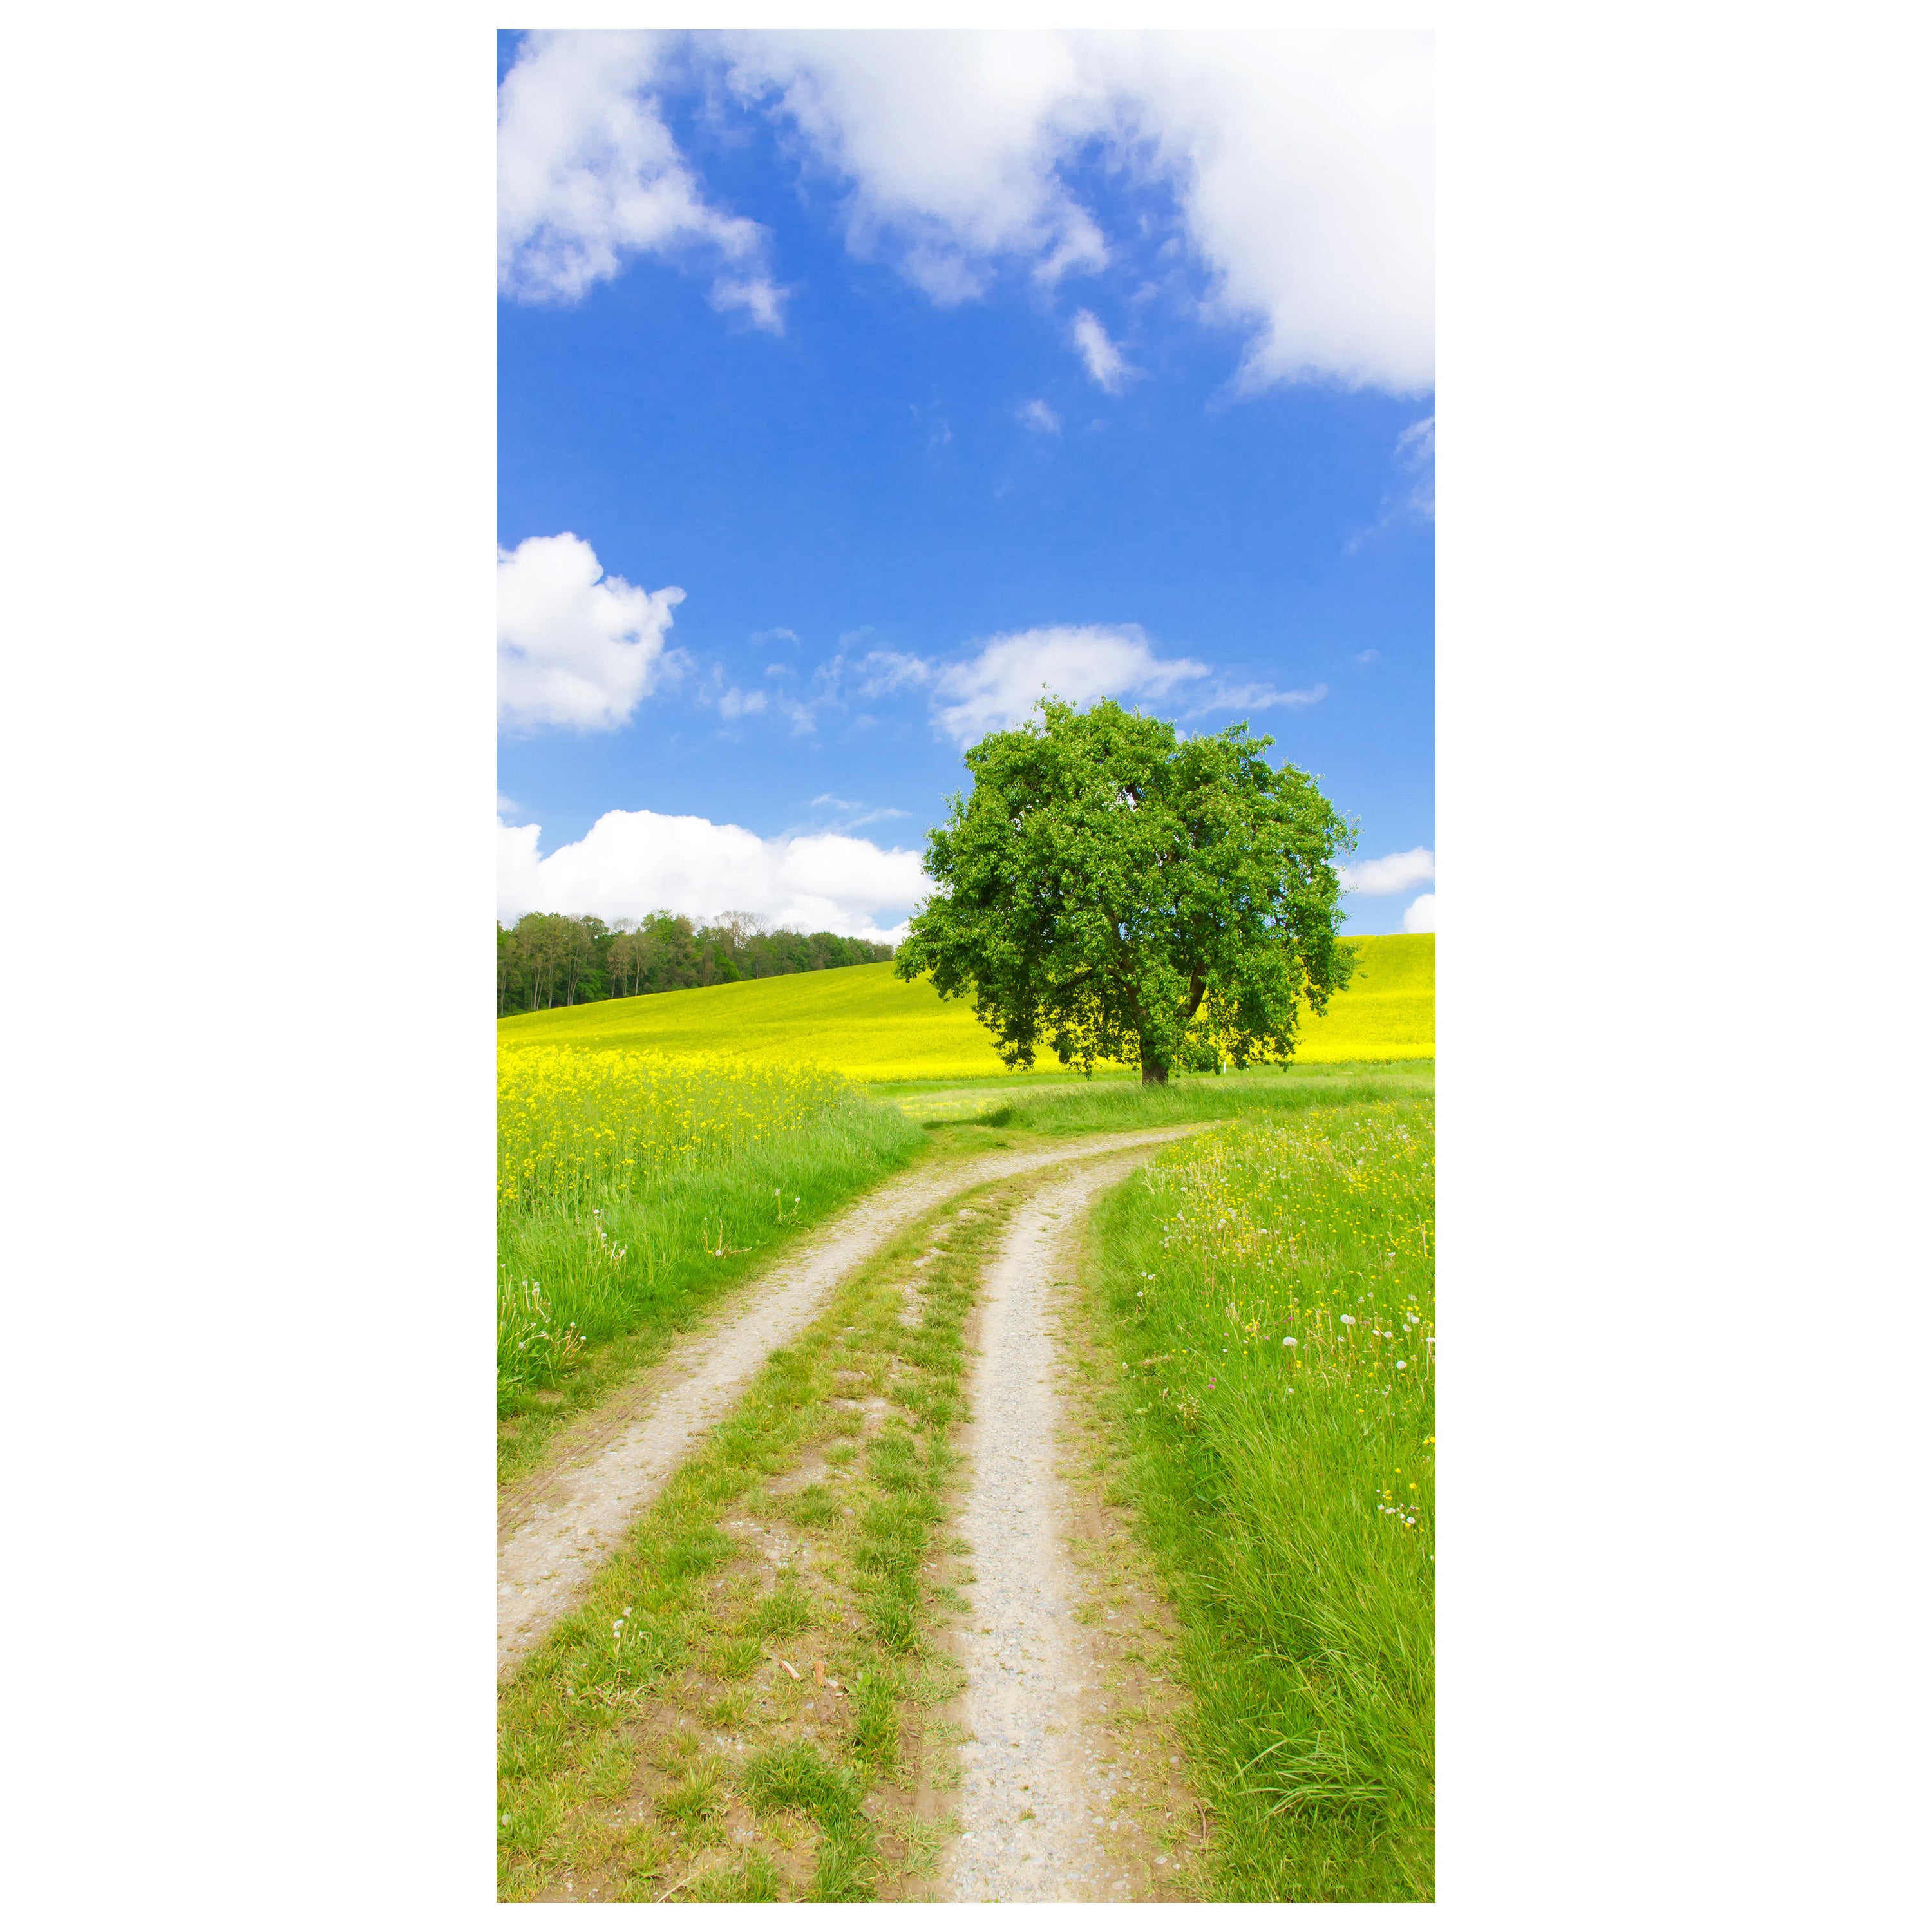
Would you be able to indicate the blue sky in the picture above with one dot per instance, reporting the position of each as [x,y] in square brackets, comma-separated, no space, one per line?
[1122,382]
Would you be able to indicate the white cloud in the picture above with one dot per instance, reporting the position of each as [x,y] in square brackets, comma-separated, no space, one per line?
[574,647]
[1104,363]
[948,143]
[1305,167]
[1302,164]
[1396,873]
[882,673]
[1255,697]
[631,862]
[1420,916]
[999,686]
[736,703]
[1036,415]
[1415,456]
[588,177]
[1415,450]
[854,813]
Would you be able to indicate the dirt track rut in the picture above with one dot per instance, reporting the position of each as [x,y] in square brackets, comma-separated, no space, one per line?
[1032,1781]
[556,1526]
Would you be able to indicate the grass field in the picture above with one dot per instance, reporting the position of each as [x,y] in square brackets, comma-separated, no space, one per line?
[1269,1292]
[862,1022]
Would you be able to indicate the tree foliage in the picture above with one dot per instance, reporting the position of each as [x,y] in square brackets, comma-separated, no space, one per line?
[1118,892]
[551,959]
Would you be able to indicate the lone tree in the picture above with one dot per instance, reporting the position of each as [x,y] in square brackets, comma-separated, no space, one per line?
[1121,893]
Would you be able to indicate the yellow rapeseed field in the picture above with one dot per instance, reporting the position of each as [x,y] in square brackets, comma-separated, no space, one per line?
[860,1022]
[572,1123]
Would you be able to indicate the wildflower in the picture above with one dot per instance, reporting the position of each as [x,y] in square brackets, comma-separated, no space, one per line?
[1348,1318]
[1288,1341]
[1402,1365]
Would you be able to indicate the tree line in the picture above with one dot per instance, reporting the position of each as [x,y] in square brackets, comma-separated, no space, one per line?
[551,959]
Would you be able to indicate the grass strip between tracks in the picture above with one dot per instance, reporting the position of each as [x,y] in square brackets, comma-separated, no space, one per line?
[747,1706]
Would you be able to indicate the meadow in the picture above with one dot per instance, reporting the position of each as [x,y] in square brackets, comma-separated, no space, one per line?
[1269,1291]
[877,1030]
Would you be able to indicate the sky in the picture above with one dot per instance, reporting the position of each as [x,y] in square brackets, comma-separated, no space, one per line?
[854,387]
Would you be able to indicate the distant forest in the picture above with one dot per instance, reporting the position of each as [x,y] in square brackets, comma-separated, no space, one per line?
[549,959]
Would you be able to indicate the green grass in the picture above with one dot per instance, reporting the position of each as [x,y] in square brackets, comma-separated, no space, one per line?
[658,1744]
[1288,1493]
[861,1022]
[592,1285]
[1120,1106]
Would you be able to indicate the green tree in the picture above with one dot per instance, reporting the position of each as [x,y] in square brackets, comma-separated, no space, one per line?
[1119,893]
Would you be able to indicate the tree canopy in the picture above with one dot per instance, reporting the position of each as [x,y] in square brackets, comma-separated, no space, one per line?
[1117,892]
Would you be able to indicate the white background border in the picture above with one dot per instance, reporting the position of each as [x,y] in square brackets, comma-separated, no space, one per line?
[248,770]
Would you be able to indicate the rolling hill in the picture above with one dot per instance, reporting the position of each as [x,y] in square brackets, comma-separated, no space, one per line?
[866,1024]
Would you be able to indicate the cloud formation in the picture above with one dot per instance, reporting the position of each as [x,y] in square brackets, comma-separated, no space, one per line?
[1420,916]
[997,686]
[1104,363]
[1300,166]
[1036,415]
[632,863]
[575,648]
[589,178]
[1255,697]
[947,144]
[1415,452]
[1398,872]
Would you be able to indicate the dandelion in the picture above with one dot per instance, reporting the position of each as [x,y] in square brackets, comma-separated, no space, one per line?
[1288,1341]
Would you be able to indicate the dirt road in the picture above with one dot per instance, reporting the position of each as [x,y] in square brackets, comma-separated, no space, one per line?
[555,1527]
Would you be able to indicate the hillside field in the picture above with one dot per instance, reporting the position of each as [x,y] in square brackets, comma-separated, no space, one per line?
[860,1022]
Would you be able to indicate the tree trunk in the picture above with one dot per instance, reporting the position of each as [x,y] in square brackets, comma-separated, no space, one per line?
[1153,1072]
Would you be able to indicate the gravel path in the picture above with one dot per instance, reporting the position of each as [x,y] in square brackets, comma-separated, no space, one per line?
[1033,1784]
[557,1526]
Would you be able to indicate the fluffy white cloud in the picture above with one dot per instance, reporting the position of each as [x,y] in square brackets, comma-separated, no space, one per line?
[631,862]
[1420,916]
[1395,873]
[1078,662]
[949,142]
[588,176]
[1036,415]
[574,647]
[1104,363]
[1302,164]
